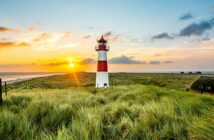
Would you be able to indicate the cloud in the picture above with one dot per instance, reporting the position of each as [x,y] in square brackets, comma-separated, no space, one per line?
[107,34]
[125,60]
[162,36]
[52,64]
[186,16]
[113,37]
[90,28]
[197,28]
[157,55]
[89,35]
[6,44]
[155,62]
[199,40]
[56,63]
[8,30]
[167,62]
[22,44]
[88,61]
[60,63]
[116,38]
[9,44]
[42,37]
[42,41]
[134,40]
[46,41]
[205,39]
[14,65]
[5,39]
[4,29]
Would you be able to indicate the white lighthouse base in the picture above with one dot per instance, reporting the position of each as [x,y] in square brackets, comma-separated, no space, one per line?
[102,80]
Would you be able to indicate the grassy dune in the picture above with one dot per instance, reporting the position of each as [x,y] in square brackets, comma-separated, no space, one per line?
[175,81]
[137,106]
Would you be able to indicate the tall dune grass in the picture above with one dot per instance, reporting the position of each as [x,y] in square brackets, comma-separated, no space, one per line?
[119,112]
[173,81]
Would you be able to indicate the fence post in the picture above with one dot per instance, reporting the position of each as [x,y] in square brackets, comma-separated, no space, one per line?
[5,88]
[0,92]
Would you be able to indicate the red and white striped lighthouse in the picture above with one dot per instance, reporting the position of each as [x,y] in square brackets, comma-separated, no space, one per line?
[102,64]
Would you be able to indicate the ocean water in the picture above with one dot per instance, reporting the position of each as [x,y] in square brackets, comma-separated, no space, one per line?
[11,77]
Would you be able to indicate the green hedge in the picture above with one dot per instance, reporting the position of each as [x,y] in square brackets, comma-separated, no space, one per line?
[204,84]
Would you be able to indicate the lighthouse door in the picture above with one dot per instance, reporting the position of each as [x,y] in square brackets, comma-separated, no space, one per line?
[105,85]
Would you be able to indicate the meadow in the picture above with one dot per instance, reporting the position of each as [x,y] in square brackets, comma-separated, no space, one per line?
[136,106]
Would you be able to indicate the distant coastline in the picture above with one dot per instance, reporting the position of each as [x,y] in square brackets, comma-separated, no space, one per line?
[164,71]
[12,77]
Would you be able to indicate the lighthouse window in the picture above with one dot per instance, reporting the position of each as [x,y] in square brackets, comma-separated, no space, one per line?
[102,43]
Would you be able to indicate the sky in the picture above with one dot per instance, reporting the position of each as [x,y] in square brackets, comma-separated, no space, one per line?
[143,35]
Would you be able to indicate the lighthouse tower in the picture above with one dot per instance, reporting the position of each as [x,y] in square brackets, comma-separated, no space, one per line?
[102,65]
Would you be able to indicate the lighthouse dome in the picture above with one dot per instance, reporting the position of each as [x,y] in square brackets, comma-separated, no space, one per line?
[102,40]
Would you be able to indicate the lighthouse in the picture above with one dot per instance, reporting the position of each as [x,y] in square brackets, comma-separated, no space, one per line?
[102,64]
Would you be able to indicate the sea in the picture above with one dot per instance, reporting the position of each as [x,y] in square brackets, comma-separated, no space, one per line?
[11,77]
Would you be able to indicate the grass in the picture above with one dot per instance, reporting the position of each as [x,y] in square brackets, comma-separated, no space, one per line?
[132,109]
[174,81]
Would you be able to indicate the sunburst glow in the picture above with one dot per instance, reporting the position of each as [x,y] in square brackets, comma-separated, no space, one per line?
[71,65]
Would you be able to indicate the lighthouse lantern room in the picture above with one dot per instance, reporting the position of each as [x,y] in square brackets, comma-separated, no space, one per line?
[102,64]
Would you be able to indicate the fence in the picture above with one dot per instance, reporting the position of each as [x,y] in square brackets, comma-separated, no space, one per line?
[1,90]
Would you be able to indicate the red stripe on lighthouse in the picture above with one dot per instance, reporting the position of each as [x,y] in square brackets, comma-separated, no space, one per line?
[102,66]
[102,47]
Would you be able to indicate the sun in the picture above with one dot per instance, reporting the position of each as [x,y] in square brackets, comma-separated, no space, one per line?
[71,65]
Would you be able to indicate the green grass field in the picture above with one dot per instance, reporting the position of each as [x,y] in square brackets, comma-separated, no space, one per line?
[136,106]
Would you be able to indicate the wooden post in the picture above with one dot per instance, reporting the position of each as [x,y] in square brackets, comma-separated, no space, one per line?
[5,88]
[0,92]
